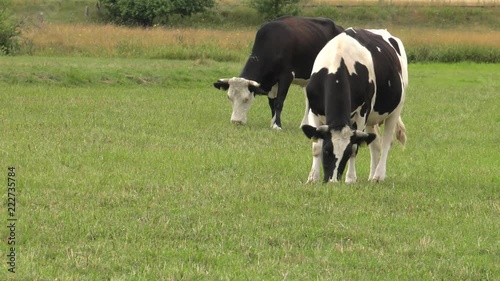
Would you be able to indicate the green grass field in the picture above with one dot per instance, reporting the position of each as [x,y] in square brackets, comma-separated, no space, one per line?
[130,170]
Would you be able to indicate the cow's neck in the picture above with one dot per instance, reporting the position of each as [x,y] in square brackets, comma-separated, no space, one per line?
[252,70]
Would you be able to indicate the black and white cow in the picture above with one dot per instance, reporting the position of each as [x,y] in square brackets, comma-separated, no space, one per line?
[358,82]
[283,53]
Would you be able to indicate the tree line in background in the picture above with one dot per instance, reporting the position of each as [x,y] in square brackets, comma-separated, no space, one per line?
[148,13]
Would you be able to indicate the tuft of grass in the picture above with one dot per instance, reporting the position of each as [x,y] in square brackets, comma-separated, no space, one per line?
[132,181]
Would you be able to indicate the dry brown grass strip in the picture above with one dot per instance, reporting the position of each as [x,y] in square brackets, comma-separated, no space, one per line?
[106,40]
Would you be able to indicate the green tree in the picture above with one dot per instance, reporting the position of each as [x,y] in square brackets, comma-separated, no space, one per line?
[272,9]
[147,12]
[189,7]
[10,29]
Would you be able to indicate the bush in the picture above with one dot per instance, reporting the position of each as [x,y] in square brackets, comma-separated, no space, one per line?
[9,31]
[147,12]
[272,9]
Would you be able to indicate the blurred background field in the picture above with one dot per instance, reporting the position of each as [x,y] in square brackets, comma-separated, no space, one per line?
[444,31]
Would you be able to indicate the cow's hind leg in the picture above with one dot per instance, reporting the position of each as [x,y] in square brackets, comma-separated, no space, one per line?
[375,148]
[317,145]
[389,128]
[306,112]
[351,170]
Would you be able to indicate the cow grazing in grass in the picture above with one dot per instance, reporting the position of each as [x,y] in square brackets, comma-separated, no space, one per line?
[358,82]
[283,53]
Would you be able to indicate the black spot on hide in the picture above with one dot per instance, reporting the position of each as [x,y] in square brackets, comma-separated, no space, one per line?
[395,45]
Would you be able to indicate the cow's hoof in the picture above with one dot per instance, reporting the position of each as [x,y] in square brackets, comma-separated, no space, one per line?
[376,179]
[350,180]
[276,127]
[312,179]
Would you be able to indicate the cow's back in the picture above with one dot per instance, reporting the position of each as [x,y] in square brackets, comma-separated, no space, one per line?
[390,66]
[310,36]
[287,43]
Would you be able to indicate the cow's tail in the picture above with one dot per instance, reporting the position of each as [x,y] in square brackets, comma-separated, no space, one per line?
[401,132]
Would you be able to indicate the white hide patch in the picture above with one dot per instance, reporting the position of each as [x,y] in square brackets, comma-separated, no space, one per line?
[350,50]
[375,119]
[315,120]
[340,141]
[274,92]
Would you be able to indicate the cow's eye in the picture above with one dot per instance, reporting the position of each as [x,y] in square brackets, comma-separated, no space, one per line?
[245,100]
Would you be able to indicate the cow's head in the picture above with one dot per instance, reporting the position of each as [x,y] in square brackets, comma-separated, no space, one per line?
[338,147]
[241,92]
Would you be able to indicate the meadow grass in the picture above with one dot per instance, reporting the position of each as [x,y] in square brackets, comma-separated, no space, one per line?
[124,180]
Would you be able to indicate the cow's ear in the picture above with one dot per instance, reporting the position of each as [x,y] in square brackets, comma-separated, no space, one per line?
[256,90]
[309,131]
[222,83]
[315,133]
[360,137]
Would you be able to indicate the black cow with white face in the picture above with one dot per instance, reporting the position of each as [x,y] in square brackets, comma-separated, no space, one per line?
[283,53]
[358,82]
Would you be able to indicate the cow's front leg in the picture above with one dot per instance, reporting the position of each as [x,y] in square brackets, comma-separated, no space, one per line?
[389,128]
[351,168]
[283,85]
[272,98]
[317,146]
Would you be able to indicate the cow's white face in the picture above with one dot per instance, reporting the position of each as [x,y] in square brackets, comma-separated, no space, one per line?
[241,93]
[338,147]
[343,149]
[241,99]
